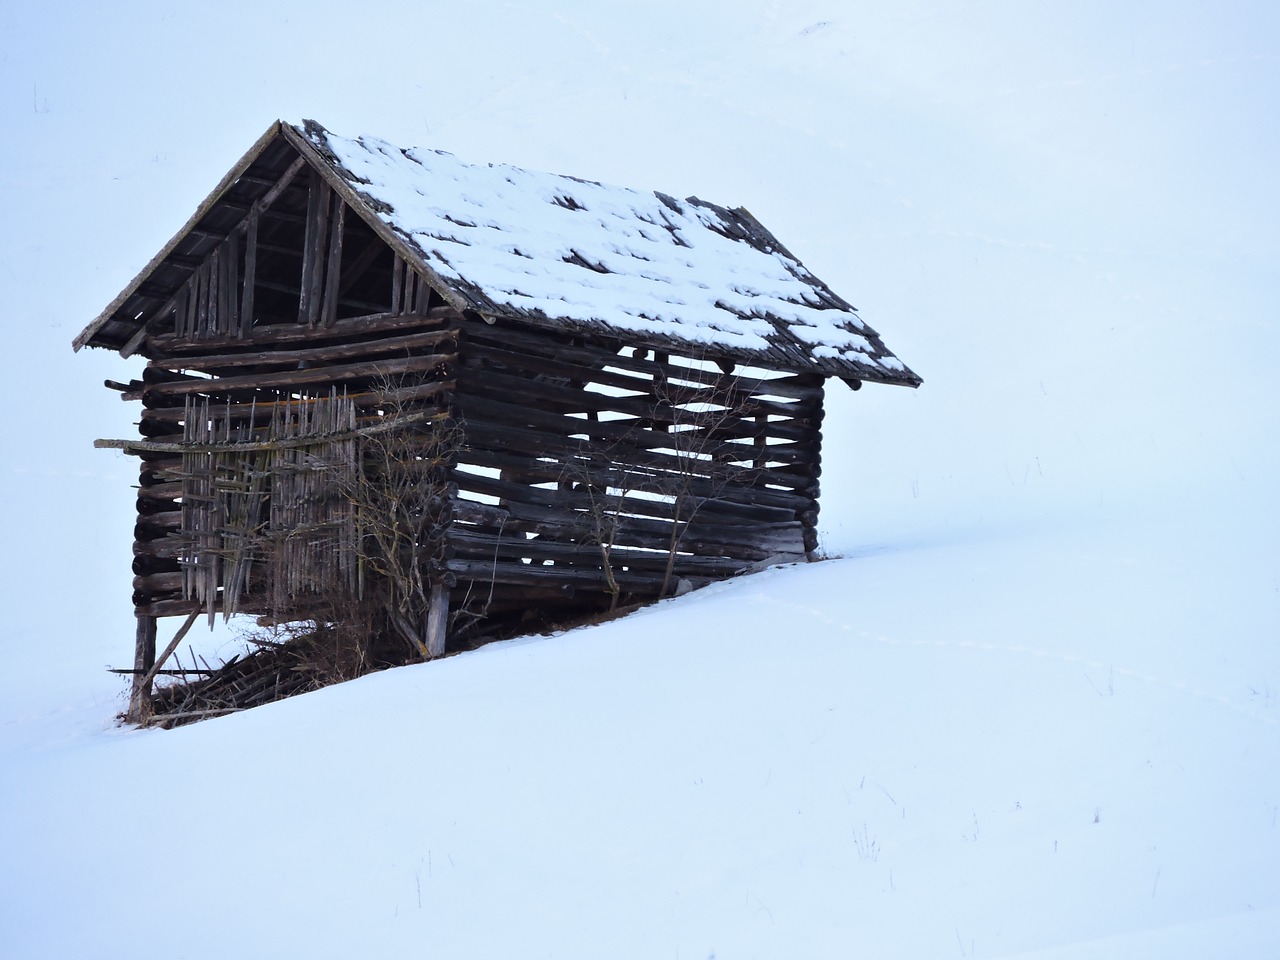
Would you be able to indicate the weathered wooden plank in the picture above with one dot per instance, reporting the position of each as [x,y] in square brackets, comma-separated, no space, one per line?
[483,358]
[475,545]
[437,620]
[286,178]
[411,283]
[248,289]
[283,333]
[239,412]
[748,542]
[280,443]
[166,608]
[744,487]
[200,327]
[676,410]
[308,265]
[233,283]
[143,659]
[476,373]
[362,261]
[313,246]
[291,358]
[397,285]
[150,675]
[333,270]
[217,292]
[422,297]
[533,443]
[711,511]
[504,424]
[535,346]
[520,573]
[319,375]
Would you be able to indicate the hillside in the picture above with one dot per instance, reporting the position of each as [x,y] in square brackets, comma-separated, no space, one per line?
[1031,712]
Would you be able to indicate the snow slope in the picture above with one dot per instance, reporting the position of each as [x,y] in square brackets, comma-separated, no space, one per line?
[1031,714]
[812,762]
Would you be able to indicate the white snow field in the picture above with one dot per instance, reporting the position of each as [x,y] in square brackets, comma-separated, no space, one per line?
[1032,712]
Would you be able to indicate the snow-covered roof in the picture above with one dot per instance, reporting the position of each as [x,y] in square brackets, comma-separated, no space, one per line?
[518,243]
[563,252]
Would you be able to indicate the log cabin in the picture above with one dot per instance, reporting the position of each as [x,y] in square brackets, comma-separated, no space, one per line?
[464,395]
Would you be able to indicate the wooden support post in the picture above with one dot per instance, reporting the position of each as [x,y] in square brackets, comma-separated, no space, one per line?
[144,658]
[168,651]
[437,620]
[333,271]
[397,282]
[250,273]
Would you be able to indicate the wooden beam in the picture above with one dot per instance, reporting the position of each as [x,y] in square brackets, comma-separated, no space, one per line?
[250,273]
[286,178]
[150,675]
[437,620]
[270,334]
[333,270]
[322,375]
[314,244]
[361,262]
[144,658]
[403,345]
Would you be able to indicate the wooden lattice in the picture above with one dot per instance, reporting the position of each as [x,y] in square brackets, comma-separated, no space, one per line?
[262,506]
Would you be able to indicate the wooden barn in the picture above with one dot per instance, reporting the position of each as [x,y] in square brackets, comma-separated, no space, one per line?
[436,400]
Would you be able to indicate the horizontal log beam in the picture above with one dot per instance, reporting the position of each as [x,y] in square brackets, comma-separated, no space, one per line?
[280,333]
[277,443]
[484,357]
[752,543]
[744,487]
[480,546]
[406,344]
[241,411]
[536,346]
[709,510]
[295,378]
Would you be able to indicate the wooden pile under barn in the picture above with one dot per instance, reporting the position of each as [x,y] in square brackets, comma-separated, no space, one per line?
[419,402]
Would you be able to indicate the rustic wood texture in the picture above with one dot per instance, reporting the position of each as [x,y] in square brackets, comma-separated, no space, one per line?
[569,472]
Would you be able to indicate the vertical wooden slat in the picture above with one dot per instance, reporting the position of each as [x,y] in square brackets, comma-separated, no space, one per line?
[180,310]
[144,658]
[422,301]
[317,253]
[397,282]
[202,300]
[309,247]
[250,273]
[220,285]
[193,303]
[437,620]
[329,312]
[233,282]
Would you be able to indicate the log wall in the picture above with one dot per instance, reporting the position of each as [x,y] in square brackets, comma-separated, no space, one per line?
[588,470]
[266,404]
[583,454]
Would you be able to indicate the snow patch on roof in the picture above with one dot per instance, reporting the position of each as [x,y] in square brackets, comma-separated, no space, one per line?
[583,251]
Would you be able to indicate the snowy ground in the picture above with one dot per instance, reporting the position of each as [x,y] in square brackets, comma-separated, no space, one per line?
[1032,713]
[1046,744]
